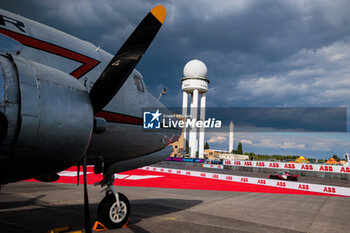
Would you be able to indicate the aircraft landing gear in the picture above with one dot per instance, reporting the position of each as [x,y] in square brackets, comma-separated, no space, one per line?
[114,209]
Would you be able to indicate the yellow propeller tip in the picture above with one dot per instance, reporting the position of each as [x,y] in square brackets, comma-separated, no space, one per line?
[159,12]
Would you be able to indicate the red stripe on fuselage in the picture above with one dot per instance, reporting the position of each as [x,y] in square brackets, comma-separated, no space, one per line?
[119,118]
[88,63]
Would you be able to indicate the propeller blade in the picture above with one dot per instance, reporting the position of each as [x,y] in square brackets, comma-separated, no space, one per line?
[123,63]
[87,218]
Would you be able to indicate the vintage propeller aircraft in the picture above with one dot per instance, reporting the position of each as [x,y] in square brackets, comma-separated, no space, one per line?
[65,102]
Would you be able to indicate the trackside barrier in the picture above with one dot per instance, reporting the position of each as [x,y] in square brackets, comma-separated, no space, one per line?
[217,166]
[176,159]
[336,190]
[290,166]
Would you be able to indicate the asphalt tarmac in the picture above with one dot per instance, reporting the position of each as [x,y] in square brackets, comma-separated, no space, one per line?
[37,207]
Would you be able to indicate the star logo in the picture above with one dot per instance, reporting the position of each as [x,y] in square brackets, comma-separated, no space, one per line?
[151,120]
[156,115]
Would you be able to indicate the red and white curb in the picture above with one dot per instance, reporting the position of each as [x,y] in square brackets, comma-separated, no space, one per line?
[328,189]
[290,166]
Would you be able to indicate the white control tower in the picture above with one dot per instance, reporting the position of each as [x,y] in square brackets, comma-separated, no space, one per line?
[194,83]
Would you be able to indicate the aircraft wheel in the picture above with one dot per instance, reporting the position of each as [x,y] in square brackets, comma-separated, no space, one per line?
[108,214]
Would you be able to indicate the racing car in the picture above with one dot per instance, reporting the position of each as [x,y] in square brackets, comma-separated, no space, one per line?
[283,176]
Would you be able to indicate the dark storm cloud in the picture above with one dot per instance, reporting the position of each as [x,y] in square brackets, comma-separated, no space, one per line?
[259,53]
[94,21]
[276,119]
[259,39]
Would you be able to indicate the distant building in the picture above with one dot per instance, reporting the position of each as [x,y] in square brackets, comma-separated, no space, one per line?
[342,162]
[234,157]
[212,154]
[178,146]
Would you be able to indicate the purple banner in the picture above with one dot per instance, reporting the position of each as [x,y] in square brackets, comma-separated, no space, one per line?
[185,160]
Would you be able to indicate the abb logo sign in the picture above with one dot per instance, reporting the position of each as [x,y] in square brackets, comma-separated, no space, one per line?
[244,179]
[306,167]
[261,181]
[303,187]
[329,190]
[292,166]
[260,164]
[345,169]
[273,165]
[289,166]
[326,168]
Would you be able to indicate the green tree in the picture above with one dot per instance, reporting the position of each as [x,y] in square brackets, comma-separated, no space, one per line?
[206,146]
[312,160]
[336,157]
[283,158]
[239,149]
[187,148]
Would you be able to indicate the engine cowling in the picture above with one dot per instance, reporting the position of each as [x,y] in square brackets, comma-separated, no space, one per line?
[49,119]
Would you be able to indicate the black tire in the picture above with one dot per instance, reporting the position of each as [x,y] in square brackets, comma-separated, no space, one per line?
[104,211]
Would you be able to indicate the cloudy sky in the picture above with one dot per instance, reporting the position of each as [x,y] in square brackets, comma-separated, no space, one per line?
[287,53]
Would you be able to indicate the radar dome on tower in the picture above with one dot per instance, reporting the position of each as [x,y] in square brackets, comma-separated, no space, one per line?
[195,68]
[194,83]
